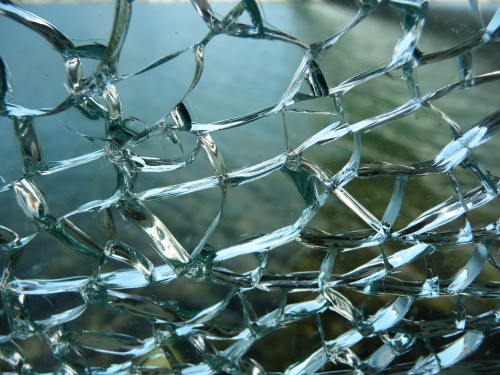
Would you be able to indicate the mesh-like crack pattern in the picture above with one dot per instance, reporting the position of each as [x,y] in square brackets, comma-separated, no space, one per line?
[157,250]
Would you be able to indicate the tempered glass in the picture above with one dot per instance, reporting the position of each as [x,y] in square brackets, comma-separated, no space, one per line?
[248,188]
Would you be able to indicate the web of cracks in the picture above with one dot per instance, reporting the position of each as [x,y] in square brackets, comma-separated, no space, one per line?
[202,340]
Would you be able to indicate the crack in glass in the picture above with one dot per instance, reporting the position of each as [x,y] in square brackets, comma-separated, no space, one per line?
[245,199]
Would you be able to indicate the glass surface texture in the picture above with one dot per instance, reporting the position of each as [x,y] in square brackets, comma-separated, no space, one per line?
[250,188]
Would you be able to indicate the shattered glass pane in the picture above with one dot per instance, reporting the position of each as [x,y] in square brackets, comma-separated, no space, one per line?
[250,188]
